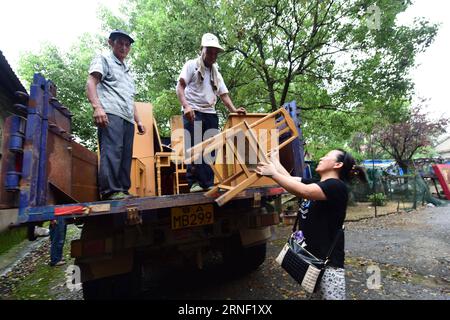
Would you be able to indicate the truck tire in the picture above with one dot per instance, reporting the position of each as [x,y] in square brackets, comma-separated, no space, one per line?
[239,259]
[122,286]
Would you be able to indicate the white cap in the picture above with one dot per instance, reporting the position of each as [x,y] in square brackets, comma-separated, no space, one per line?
[210,40]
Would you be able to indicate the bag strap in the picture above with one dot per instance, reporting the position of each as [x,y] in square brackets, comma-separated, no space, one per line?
[336,238]
[295,226]
[333,245]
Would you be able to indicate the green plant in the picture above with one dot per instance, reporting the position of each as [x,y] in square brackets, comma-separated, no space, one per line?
[10,238]
[378,199]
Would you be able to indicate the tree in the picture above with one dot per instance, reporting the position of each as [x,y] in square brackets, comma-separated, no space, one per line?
[402,140]
[345,74]
[322,53]
[68,70]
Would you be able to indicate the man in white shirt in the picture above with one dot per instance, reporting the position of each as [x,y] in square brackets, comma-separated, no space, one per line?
[199,84]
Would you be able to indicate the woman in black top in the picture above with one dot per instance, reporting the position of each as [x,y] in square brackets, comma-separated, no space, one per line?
[322,211]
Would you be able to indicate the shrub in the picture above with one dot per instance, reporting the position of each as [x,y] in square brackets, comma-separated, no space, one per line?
[378,199]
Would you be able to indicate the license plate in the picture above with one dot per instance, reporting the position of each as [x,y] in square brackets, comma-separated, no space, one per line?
[192,216]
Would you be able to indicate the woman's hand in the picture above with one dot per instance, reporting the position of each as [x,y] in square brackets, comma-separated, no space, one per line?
[274,158]
[266,169]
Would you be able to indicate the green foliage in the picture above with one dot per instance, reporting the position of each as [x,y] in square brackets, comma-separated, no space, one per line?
[377,199]
[69,71]
[403,139]
[345,76]
[165,106]
[10,238]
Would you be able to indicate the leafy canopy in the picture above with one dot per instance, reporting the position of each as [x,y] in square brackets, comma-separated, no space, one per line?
[346,73]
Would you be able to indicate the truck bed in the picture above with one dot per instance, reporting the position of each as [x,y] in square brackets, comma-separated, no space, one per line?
[144,205]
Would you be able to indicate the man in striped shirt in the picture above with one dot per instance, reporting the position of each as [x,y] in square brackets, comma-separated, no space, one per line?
[111,90]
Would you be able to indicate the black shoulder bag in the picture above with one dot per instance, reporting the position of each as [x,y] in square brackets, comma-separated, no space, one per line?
[302,265]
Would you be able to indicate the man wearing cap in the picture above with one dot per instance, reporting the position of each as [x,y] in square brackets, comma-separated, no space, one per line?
[110,89]
[199,84]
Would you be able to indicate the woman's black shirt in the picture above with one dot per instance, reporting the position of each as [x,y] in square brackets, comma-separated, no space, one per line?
[320,220]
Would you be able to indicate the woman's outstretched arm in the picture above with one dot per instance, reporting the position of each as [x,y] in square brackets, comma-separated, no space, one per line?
[291,184]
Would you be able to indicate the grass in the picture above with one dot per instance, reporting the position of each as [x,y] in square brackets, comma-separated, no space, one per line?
[38,284]
[42,282]
[10,238]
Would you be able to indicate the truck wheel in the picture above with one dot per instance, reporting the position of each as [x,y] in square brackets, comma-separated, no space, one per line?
[236,258]
[255,256]
[122,286]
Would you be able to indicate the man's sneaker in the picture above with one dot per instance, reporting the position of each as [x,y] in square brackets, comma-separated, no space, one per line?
[59,263]
[196,188]
[117,196]
[130,195]
[41,232]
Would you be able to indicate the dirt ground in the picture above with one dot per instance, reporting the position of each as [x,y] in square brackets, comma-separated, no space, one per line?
[411,251]
[364,210]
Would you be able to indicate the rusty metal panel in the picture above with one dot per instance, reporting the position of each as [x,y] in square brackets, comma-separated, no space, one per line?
[84,174]
[287,157]
[59,161]
[7,199]
[59,116]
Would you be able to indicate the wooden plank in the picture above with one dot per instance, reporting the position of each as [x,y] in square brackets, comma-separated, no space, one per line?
[224,198]
[285,130]
[256,146]
[157,144]
[286,142]
[227,180]
[216,172]
[279,124]
[104,207]
[238,157]
[211,144]
[177,135]
[223,186]
[144,146]
[138,176]
[254,143]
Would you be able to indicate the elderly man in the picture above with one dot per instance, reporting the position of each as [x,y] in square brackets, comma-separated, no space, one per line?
[199,84]
[110,90]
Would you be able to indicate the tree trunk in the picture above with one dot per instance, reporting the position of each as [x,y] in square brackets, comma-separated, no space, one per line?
[404,166]
[273,101]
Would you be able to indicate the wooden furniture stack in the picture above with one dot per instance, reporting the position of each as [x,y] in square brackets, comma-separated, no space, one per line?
[177,143]
[145,147]
[239,147]
[173,158]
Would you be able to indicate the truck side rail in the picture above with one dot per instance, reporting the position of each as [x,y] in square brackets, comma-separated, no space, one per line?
[144,204]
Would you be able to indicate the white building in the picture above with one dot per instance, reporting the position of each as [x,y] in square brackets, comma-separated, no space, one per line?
[442,146]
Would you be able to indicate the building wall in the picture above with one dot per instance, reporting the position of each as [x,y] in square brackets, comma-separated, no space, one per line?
[6,105]
[444,148]
[7,217]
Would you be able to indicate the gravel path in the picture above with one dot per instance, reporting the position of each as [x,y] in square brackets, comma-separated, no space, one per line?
[411,250]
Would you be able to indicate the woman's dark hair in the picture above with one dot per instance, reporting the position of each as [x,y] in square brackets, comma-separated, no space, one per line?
[350,170]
